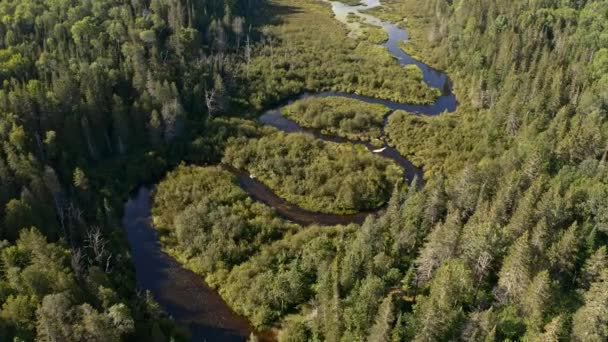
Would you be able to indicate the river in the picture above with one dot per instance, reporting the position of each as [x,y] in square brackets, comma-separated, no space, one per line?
[183,294]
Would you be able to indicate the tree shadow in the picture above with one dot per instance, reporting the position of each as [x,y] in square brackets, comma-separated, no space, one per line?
[274,14]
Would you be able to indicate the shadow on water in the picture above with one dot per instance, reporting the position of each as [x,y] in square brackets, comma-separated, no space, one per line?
[182,293]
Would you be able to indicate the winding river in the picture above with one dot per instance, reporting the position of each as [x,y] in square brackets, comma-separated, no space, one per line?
[183,294]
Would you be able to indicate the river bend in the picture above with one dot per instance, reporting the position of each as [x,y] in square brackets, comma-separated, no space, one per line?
[183,294]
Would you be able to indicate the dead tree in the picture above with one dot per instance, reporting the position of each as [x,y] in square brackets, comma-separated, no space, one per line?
[97,243]
[211,101]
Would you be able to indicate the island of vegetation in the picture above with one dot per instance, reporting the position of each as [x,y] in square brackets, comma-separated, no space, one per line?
[317,175]
[348,118]
[199,209]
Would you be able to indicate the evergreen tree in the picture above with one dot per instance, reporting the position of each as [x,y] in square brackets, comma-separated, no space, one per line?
[515,273]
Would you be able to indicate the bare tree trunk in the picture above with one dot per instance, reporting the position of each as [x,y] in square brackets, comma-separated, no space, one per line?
[210,101]
[248,54]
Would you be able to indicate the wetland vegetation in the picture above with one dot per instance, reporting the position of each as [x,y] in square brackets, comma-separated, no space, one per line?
[317,175]
[310,51]
[506,240]
[348,118]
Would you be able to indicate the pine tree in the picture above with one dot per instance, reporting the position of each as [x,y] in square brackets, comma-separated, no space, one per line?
[553,331]
[564,252]
[594,265]
[590,321]
[480,326]
[441,245]
[479,241]
[330,310]
[525,215]
[381,330]
[515,274]
[535,301]
[450,289]
[398,334]
[81,181]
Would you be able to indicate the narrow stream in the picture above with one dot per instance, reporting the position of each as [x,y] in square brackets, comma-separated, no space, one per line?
[183,294]
[432,77]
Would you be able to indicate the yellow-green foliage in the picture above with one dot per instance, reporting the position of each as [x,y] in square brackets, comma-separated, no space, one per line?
[374,34]
[347,118]
[411,15]
[11,63]
[439,144]
[287,268]
[309,50]
[209,221]
[317,175]
[389,10]
[351,2]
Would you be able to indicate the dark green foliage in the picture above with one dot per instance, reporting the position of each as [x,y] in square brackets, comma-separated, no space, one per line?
[42,298]
[507,240]
[87,89]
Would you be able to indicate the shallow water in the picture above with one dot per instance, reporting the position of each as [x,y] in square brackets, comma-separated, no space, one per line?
[433,78]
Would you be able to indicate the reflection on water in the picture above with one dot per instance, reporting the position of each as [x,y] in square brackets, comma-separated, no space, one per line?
[181,293]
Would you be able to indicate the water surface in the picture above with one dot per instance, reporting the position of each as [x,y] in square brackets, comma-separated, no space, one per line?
[183,294]
[180,292]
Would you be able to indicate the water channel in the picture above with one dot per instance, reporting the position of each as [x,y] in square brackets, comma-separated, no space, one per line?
[183,294]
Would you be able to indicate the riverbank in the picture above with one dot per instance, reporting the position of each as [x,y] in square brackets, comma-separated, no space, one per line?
[180,292]
[252,304]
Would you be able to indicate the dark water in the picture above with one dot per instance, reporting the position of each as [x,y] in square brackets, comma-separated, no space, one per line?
[434,78]
[276,119]
[262,193]
[183,294]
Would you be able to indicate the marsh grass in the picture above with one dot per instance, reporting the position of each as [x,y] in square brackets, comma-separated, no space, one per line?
[348,118]
[310,51]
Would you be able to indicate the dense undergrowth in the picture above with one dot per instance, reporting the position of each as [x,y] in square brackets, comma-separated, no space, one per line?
[96,97]
[507,240]
[339,116]
[209,221]
[317,175]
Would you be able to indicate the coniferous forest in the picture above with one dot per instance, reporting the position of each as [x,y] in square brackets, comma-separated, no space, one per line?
[498,231]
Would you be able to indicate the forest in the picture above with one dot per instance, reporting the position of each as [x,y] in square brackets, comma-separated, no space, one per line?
[505,239]
[94,96]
